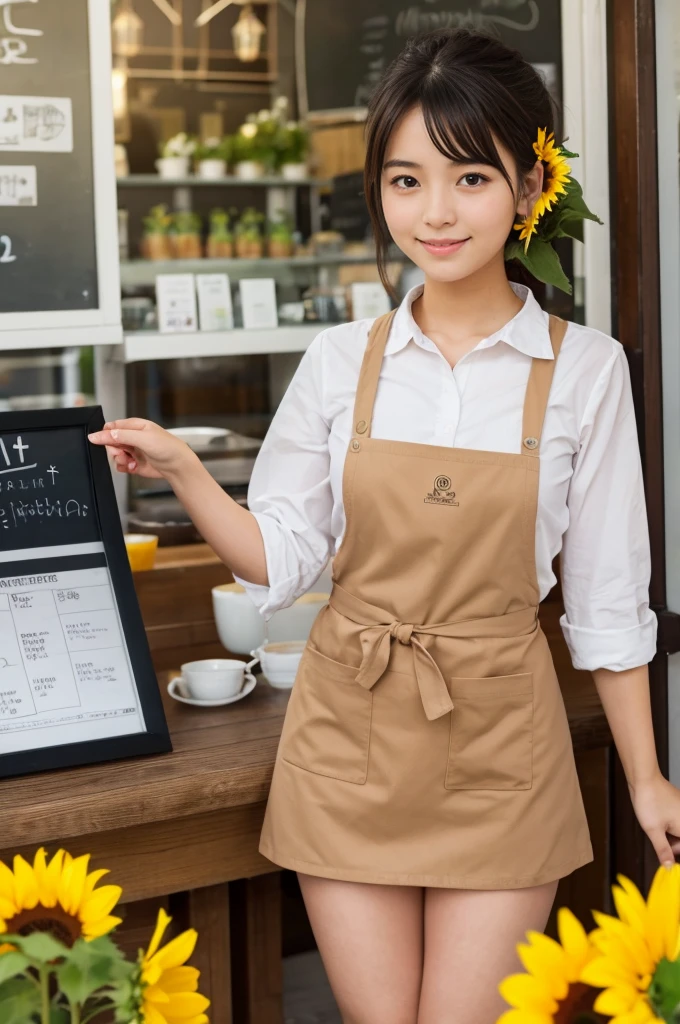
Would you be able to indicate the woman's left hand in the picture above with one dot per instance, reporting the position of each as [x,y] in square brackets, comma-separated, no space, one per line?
[657,807]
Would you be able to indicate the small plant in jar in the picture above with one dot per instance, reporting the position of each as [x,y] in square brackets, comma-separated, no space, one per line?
[248,232]
[175,154]
[280,236]
[292,146]
[212,156]
[156,239]
[186,235]
[220,243]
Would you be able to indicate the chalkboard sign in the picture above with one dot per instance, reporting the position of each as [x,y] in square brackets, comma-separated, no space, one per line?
[346,47]
[57,187]
[77,684]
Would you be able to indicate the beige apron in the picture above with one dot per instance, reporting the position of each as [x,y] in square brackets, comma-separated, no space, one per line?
[426,741]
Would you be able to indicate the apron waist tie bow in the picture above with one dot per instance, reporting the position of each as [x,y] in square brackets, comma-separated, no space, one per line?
[378,634]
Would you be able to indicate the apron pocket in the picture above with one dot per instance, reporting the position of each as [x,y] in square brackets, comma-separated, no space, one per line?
[491,739]
[328,721]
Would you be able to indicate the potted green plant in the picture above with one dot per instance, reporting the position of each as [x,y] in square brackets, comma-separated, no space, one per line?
[220,244]
[156,238]
[176,153]
[280,236]
[248,231]
[293,143]
[212,156]
[186,235]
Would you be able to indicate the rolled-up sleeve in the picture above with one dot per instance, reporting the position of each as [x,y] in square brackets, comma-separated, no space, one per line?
[290,493]
[605,556]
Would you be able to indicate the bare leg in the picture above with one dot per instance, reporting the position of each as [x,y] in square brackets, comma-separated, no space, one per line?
[371,941]
[470,940]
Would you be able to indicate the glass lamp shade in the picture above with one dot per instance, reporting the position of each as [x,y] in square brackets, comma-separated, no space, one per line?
[247,33]
[127,30]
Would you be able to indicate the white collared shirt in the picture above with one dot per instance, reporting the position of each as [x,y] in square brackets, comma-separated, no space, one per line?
[591,502]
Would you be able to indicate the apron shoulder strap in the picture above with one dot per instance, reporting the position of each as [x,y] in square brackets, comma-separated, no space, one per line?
[369,375]
[538,390]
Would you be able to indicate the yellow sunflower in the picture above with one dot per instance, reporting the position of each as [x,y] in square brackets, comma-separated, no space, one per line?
[169,989]
[557,172]
[632,945]
[57,897]
[551,991]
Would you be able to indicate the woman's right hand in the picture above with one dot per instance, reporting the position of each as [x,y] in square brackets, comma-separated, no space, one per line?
[142,448]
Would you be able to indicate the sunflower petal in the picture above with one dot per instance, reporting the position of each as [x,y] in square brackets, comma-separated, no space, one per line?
[177,951]
[186,1004]
[181,979]
[101,927]
[26,884]
[527,993]
[100,903]
[162,922]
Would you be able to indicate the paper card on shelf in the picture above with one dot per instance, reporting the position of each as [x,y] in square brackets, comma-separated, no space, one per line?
[176,298]
[369,299]
[36,124]
[215,311]
[258,302]
[18,185]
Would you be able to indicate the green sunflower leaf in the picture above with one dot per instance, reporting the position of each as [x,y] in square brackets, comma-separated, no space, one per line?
[38,946]
[541,260]
[664,991]
[19,1002]
[12,964]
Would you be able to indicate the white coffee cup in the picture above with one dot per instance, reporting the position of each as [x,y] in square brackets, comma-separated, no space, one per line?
[213,679]
[280,661]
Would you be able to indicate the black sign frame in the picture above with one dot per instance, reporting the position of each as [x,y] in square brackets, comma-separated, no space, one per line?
[156,739]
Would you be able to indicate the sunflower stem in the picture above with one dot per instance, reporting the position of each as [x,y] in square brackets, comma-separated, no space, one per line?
[44,995]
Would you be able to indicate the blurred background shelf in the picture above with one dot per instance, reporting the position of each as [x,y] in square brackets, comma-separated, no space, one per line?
[144,272]
[155,181]
[145,345]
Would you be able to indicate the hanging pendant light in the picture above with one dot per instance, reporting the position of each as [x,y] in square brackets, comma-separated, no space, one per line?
[127,30]
[247,33]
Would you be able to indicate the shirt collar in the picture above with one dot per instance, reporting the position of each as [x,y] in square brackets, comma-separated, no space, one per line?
[528,331]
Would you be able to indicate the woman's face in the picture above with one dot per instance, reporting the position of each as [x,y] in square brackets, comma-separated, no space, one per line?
[451,219]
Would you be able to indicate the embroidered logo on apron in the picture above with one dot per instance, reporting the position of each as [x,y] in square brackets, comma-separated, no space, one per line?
[441,494]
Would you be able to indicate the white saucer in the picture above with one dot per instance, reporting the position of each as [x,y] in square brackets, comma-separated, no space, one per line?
[249,685]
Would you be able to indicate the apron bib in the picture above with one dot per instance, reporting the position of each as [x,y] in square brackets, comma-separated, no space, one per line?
[426,740]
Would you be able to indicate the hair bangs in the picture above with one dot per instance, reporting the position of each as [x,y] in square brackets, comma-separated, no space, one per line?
[460,131]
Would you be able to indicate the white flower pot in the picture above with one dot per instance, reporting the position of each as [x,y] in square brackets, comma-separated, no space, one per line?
[173,166]
[294,172]
[249,169]
[212,169]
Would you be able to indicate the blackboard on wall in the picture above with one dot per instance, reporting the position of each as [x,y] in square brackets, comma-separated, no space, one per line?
[348,46]
[77,683]
[48,256]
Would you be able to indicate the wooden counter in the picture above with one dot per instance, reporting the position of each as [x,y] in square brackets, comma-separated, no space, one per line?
[182,829]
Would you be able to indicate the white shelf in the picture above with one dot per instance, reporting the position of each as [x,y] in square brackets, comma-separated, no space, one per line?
[143,345]
[143,272]
[155,181]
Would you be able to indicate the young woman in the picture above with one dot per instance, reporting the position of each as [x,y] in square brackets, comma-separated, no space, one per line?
[425,788]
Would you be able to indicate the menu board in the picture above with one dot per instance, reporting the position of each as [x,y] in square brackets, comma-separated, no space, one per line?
[58,240]
[76,679]
[347,47]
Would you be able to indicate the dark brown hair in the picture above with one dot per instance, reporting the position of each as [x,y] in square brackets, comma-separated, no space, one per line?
[471,89]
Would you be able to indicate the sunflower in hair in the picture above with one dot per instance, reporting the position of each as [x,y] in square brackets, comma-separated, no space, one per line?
[557,172]
[559,212]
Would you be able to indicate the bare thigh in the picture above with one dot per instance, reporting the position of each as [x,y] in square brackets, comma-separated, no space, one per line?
[371,941]
[470,946]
